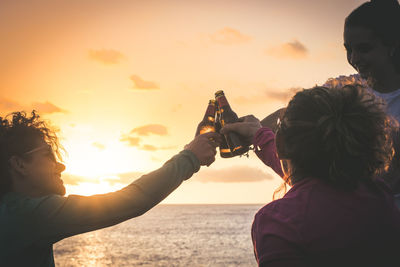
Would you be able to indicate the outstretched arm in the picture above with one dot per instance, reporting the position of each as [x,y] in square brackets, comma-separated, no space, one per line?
[52,218]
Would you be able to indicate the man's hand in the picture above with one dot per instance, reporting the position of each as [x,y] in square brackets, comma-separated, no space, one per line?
[204,147]
[246,126]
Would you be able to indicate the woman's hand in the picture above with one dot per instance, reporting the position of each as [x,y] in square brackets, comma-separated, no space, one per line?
[246,126]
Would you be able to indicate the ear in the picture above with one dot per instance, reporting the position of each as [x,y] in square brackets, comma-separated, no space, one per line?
[18,165]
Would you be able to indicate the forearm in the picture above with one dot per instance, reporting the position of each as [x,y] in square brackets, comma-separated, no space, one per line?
[265,149]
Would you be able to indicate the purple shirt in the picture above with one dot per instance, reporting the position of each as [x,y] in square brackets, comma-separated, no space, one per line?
[319,225]
[265,148]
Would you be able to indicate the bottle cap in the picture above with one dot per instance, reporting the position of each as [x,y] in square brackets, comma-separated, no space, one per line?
[219,93]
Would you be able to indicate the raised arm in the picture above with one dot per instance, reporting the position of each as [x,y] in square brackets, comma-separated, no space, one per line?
[262,138]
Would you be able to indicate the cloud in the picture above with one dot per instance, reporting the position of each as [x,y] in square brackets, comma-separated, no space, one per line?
[154,148]
[47,108]
[123,178]
[267,97]
[9,105]
[236,174]
[72,179]
[98,145]
[146,130]
[290,50]
[133,141]
[229,36]
[134,138]
[139,83]
[106,56]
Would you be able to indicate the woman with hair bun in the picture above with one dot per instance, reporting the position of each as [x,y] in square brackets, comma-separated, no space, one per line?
[333,143]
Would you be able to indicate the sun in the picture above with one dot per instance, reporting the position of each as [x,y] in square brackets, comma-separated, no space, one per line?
[91,164]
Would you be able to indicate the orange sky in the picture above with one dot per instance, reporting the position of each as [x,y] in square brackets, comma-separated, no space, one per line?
[128,81]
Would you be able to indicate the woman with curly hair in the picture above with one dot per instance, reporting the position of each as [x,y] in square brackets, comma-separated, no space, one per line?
[333,144]
[34,214]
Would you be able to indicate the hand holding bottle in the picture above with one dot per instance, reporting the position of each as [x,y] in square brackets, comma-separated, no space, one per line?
[246,126]
[204,147]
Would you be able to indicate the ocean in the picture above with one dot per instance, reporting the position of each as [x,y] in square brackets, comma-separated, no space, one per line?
[167,235]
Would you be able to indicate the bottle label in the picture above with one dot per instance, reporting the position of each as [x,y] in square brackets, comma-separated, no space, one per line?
[222,101]
[210,111]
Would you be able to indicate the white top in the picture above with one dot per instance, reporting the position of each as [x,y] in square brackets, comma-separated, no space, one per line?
[392,100]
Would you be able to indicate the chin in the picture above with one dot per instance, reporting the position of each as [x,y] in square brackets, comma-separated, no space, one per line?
[61,191]
[57,189]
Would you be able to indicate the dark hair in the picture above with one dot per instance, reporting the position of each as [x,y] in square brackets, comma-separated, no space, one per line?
[382,17]
[341,136]
[19,134]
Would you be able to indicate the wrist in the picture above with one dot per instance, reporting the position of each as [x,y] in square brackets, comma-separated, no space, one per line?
[192,157]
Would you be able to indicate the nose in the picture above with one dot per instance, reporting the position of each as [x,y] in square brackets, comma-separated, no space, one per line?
[354,58]
[60,167]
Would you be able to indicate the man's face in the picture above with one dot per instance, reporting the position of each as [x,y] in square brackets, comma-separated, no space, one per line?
[366,53]
[43,171]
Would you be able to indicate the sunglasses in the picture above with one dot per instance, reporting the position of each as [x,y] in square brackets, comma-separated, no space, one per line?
[47,147]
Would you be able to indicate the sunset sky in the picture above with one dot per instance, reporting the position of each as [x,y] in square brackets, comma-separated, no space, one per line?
[127,82]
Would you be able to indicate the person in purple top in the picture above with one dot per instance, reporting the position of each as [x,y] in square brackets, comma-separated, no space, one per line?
[333,143]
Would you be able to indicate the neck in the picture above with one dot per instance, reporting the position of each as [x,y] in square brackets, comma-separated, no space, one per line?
[389,82]
[23,188]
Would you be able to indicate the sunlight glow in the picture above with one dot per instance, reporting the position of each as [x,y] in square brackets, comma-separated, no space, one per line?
[88,189]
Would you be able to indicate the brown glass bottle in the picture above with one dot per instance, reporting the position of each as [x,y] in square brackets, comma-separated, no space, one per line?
[208,122]
[227,115]
[224,150]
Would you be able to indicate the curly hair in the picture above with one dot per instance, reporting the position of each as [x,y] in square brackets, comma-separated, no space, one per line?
[18,134]
[382,17]
[341,136]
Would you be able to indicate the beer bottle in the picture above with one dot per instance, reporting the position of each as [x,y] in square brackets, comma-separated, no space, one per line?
[224,150]
[227,115]
[208,122]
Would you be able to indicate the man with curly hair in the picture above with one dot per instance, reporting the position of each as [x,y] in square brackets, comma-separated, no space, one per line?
[34,214]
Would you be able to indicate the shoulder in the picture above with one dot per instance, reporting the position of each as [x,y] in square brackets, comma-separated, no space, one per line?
[276,232]
[287,216]
[16,205]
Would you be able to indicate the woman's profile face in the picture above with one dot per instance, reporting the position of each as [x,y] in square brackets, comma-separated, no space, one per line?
[366,52]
